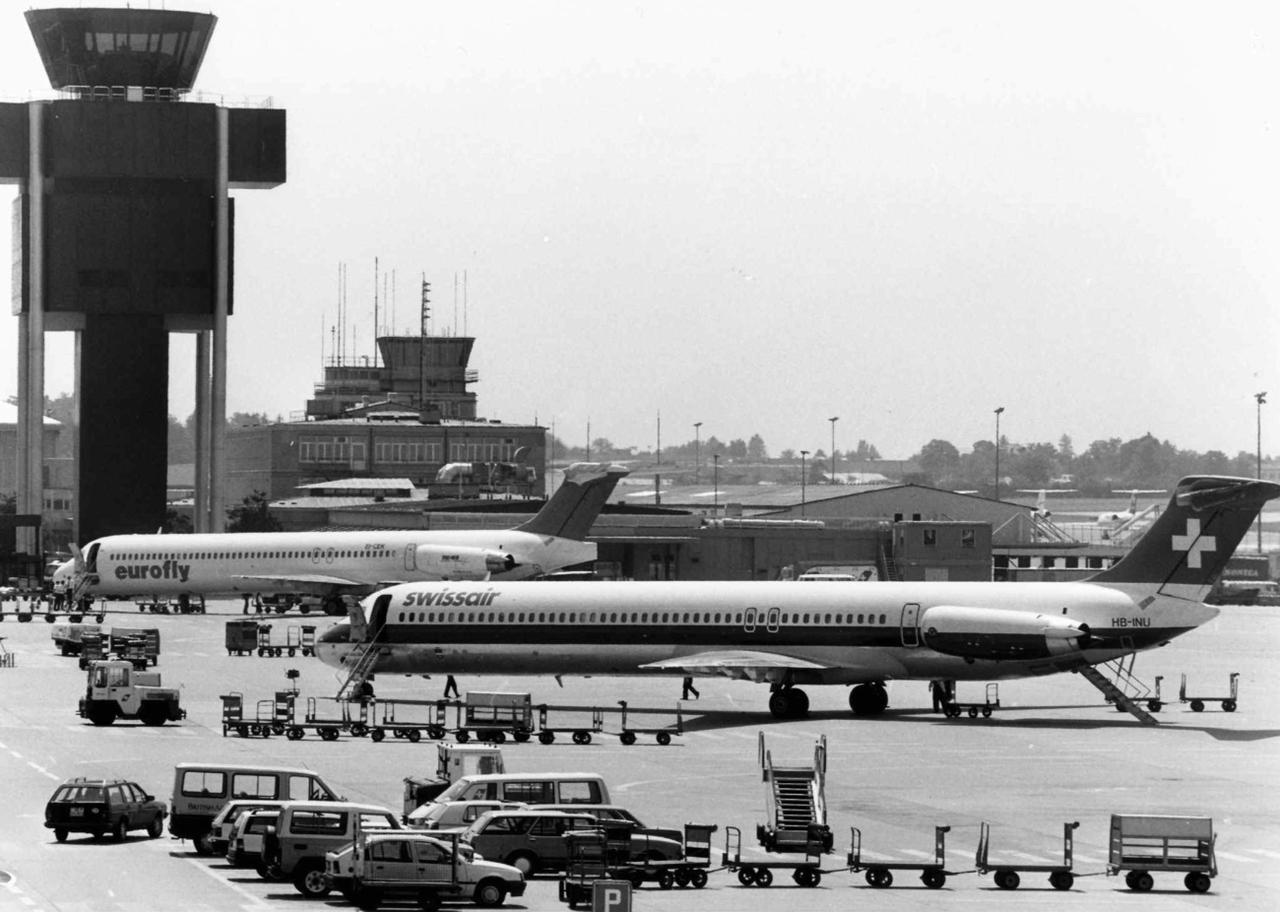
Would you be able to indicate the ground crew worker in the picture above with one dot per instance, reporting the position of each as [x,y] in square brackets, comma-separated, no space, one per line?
[689,688]
[450,687]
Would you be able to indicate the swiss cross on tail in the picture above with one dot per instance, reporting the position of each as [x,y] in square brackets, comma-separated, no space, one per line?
[1193,543]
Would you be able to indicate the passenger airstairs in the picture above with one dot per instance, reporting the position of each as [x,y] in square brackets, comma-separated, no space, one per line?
[1124,689]
[795,799]
[362,659]
[1132,528]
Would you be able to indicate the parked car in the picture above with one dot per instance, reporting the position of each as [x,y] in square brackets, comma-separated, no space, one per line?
[457,815]
[614,812]
[295,847]
[224,825]
[531,841]
[431,867]
[101,806]
[244,848]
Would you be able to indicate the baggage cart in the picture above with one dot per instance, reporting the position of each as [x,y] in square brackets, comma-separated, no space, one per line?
[241,637]
[409,729]
[933,874]
[662,733]
[265,646]
[1006,874]
[489,716]
[307,639]
[1198,703]
[124,637]
[1144,844]
[580,734]
[688,871]
[6,657]
[806,867]
[956,708]
[93,648]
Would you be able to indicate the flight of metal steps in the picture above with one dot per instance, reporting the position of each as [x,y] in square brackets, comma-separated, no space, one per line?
[1117,696]
[793,798]
[362,662]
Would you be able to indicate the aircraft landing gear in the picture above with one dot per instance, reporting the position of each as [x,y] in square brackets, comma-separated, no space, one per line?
[868,699]
[789,703]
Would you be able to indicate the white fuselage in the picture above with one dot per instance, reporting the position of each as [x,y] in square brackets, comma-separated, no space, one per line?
[819,632]
[299,562]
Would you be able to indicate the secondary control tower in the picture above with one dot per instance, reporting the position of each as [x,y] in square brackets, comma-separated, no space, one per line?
[123,233]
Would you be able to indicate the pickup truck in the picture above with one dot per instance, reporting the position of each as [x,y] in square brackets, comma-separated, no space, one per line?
[430,868]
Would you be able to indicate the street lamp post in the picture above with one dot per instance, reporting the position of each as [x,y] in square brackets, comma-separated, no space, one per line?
[1261,398]
[803,454]
[833,447]
[998,412]
[697,445]
[715,469]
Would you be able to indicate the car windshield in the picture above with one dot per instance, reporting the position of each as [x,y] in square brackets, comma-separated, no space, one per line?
[80,793]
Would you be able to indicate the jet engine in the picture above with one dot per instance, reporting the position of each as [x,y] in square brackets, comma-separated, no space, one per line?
[442,562]
[990,633]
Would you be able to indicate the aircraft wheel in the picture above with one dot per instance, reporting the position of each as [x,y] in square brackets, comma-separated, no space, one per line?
[779,704]
[868,699]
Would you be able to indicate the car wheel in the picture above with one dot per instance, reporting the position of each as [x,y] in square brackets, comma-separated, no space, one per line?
[311,882]
[203,844]
[523,862]
[60,835]
[156,826]
[490,893]
[120,830]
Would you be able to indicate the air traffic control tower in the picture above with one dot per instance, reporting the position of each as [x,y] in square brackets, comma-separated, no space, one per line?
[123,233]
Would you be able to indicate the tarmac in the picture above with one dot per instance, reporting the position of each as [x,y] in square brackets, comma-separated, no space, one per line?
[1052,752]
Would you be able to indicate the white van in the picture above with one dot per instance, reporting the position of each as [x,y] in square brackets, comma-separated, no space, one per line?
[201,789]
[528,788]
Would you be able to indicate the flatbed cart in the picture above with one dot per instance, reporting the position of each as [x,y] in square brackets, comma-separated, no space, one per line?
[662,733]
[328,728]
[265,646]
[411,730]
[806,869]
[689,871]
[933,874]
[490,716]
[1006,874]
[1142,844]
[955,708]
[234,719]
[1198,703]
[580,734]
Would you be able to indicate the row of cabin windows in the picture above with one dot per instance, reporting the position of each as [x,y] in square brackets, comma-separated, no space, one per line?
[326,554]
[615,617]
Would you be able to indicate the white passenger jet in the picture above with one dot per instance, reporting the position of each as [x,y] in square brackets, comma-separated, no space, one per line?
[333,564]
[791,635]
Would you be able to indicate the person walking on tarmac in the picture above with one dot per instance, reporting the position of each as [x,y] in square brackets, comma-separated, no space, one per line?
[450,687]
[246,603]
[689,688]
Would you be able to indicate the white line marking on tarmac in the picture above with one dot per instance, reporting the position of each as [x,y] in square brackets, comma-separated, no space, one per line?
[1231,856]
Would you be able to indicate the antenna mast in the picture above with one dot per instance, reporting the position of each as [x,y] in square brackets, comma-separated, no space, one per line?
[422,343]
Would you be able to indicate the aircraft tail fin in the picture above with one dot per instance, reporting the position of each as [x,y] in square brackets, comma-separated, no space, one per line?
[575,506]
[1190,543]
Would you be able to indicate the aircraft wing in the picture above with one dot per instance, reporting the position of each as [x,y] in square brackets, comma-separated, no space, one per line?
[305,579]
[735,663]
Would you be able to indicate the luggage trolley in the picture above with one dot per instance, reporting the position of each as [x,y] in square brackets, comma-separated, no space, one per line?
[933,874]
[327,727]
[689,871]
[265,646]
[580,734]
[490,716]
[1197,703]
[662,734]
[806,868]
[410,730]
[956,708]
[1006,875]
[1146,843]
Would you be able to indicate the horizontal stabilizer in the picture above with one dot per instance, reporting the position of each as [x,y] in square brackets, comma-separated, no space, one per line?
[574,507]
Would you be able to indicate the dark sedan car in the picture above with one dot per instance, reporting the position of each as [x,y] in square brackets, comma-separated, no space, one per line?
[102,806]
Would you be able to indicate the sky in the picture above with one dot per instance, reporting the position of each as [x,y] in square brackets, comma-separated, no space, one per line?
[759,216]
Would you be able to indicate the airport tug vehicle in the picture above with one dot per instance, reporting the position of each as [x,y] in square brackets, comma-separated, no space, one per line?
[797,822]
[117,690]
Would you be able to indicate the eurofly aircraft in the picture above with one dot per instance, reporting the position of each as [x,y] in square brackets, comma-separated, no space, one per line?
[793,635]
[332,564]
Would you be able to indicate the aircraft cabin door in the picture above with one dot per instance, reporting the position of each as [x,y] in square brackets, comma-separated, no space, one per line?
[379,616]
[771,624]
[749,621]
[410,553]
[911,624]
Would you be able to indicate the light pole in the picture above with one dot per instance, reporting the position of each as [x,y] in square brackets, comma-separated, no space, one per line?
[697,445]
[1261,398]
[803,454]
[715,469]
[833,447]
[998,411]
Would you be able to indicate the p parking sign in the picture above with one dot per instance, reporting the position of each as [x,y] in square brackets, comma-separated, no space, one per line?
[611,896]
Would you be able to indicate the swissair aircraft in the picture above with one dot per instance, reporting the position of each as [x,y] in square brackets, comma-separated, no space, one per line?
[332,564]
[793,635]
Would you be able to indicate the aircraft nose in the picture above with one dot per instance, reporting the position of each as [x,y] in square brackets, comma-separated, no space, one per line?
[339,633]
